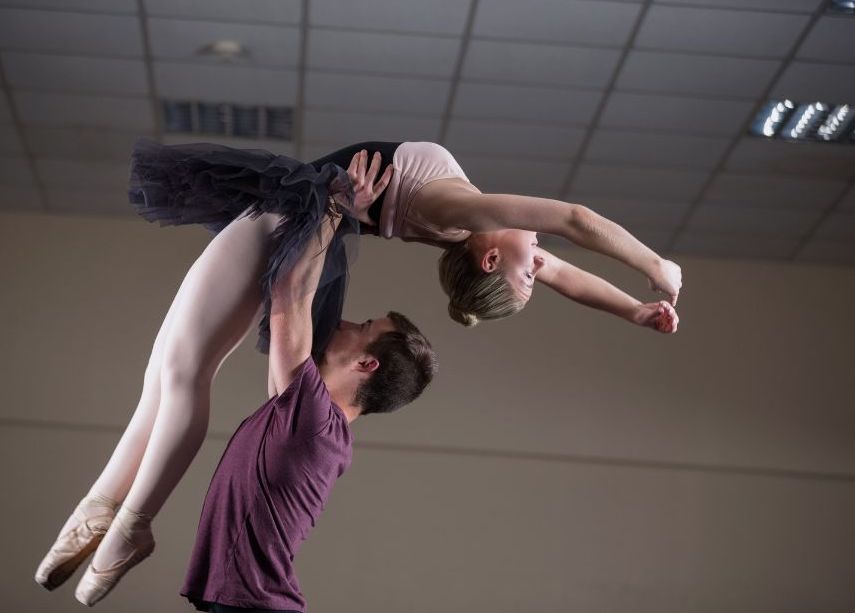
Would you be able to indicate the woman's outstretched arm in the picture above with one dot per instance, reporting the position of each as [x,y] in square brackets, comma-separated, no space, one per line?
[463,207]
[590,290]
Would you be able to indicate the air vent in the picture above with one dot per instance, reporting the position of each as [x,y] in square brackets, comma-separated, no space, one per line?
[225,119]
[805,121]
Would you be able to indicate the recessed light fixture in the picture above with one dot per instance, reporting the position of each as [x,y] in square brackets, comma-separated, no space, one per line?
[805,121]
[845,7]
[226,119]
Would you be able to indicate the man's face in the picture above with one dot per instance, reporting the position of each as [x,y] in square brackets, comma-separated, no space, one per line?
[350,339]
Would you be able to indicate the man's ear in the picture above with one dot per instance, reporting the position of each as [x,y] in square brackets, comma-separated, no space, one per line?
[367,364]
[490,260]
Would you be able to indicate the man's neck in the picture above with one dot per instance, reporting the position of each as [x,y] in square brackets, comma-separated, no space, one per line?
[342,392]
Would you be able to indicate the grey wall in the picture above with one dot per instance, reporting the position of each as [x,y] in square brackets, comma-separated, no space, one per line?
[562,461]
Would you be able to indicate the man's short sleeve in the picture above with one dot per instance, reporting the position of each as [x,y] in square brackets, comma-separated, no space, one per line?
[305,406]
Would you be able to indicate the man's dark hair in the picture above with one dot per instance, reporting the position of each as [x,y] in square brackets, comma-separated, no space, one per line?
[407,364]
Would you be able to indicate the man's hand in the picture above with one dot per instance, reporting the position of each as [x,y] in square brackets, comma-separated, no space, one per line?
[660,316]
[667,279]
[366,186]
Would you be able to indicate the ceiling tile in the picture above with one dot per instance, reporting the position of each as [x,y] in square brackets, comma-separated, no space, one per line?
[76,143]
[375,94]
[740,32]
[74,74]
[275,46]
[636,212]
[10,144]
[540,64]
[93,175]
[655,149]
[236,84]
[675,114]
[535,104]
[831,39]
[695,74]
[806,82]
[725,245]
[837,226]
[730,189]
[19,198]
[263,11]
[28,30]
[106,6]
[278,147]
[514,140]
[384,53]
[75,111]
[624,181]
[762,155]
[563,21]
[753,221]
[830,252]
[797,6]
[103,201]
[15,172]
[434,17]
[342,129]
[500,175]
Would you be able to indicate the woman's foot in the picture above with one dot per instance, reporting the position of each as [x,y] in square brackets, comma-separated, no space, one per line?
[127,543]
[78,538]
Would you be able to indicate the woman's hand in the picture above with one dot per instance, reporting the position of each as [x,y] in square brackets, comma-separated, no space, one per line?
[365,189]
[660,316]
[667,278]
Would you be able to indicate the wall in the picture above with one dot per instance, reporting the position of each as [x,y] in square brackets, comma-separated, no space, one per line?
[563,459]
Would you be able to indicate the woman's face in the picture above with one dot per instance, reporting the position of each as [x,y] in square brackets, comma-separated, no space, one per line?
[514,252]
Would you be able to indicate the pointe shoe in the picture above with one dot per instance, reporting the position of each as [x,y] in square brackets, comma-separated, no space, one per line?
[135,529]
[94,515]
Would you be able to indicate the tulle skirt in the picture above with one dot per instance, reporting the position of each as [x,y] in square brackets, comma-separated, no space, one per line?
[212,185]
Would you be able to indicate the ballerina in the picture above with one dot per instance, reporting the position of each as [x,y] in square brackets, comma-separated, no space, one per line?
[216,305]
[263,208]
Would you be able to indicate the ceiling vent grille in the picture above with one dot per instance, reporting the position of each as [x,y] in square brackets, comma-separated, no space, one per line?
[225,119]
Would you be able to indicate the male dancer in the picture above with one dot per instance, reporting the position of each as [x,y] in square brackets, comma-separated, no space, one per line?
[279,467]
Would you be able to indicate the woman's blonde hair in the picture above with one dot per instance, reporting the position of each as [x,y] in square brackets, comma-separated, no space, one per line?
[474,294]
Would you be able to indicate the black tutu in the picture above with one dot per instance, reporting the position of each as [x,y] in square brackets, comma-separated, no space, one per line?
[212,185]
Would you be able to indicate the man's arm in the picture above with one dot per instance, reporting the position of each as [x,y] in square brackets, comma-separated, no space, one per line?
[292,294]
[592,291]
[291,310]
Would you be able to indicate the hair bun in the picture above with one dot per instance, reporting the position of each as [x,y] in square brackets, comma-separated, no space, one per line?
[462,317]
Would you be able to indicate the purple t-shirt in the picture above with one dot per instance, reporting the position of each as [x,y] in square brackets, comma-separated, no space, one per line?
[266,494]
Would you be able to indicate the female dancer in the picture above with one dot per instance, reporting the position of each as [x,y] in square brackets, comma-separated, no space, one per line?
[265,208]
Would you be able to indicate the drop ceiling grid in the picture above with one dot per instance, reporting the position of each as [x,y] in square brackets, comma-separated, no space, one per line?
[679,234]
[475,31]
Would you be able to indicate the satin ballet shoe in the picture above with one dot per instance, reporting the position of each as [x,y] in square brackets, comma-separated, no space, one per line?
[135,530]
[94,515]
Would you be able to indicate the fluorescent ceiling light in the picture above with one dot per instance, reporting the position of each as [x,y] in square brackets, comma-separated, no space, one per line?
[805,121]
[845,7]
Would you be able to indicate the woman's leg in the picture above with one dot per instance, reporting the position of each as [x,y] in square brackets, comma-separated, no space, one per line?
[92,516]
[215,307]
[116,478]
